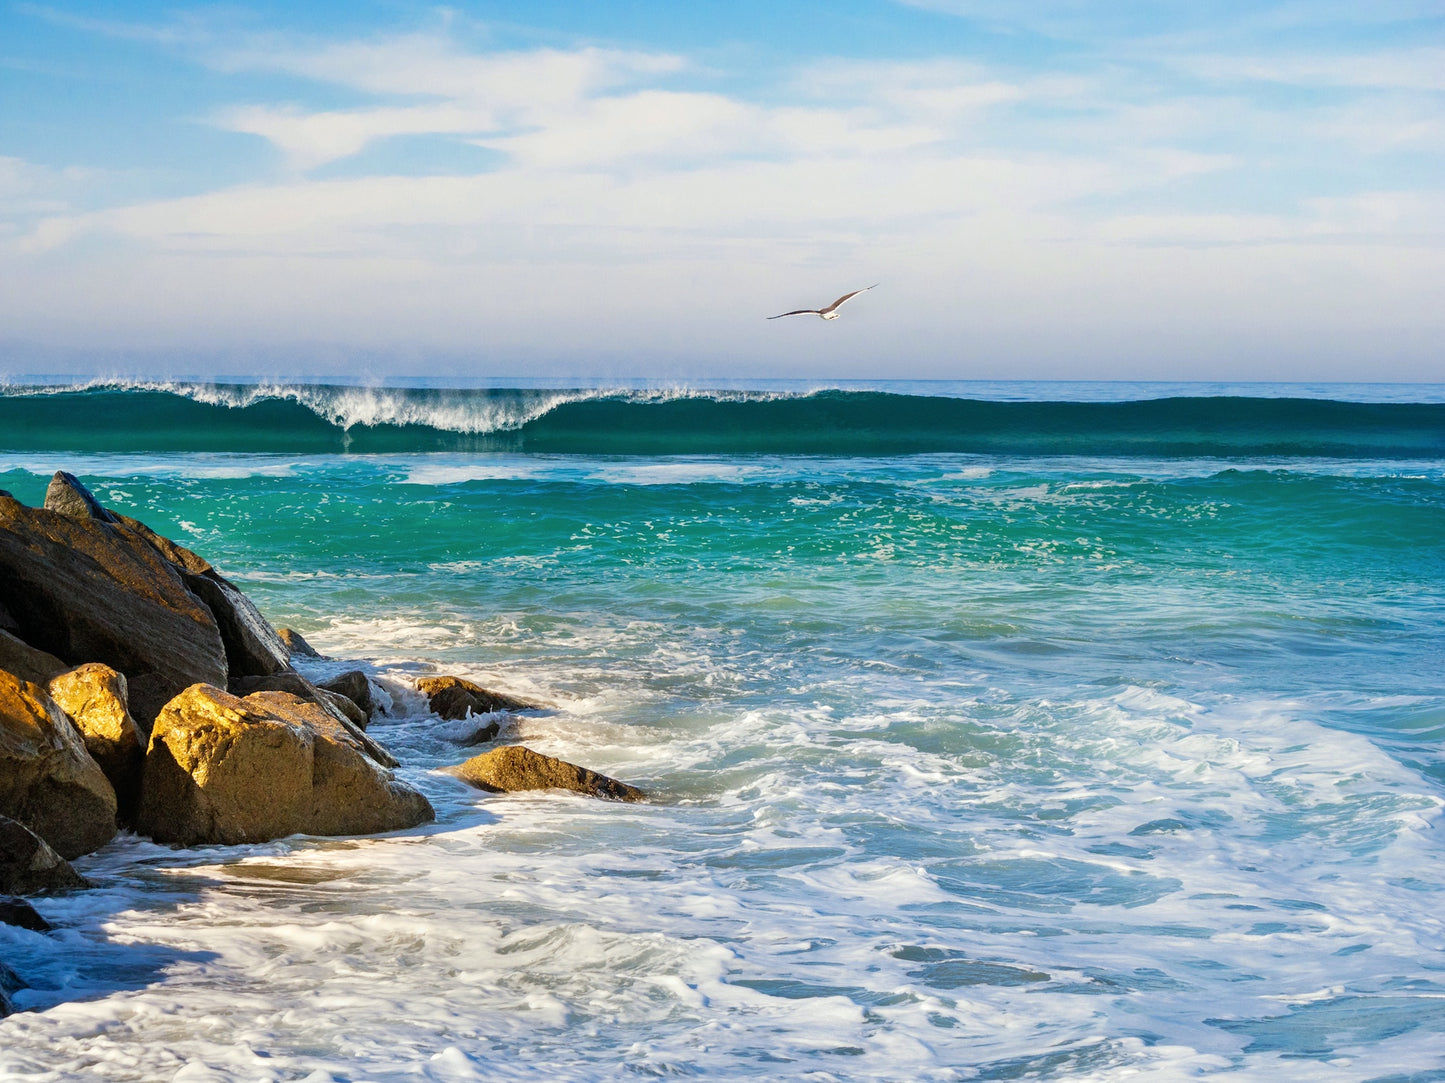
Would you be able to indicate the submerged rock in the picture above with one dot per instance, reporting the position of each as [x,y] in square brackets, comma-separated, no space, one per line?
[454,698]
[94,696]
[507,770]
[48,781]
[28,866]
[226,769]
[88,589]
[22,915]
[26,662]
[10,982]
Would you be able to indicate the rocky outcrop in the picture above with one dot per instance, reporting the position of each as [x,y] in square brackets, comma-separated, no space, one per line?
[297,645]
[507,770]
[27,663]
[48,780]
[355,686]
[30,867]
[454,698]
[226,769]
[90,589]
[94,696]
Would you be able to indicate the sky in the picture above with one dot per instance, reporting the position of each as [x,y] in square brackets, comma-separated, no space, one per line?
[1063,189]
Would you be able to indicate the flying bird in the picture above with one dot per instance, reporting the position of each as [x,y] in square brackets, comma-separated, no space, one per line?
[829,313]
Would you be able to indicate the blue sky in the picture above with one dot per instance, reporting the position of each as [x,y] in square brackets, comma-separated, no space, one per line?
[1063,189]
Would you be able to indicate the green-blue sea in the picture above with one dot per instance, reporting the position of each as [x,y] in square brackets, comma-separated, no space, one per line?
[991,731]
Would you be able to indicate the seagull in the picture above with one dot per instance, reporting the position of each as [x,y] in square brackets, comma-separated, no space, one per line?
[829,313]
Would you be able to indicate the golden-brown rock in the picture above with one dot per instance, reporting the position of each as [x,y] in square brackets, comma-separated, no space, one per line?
[454,698]
[515,767]
[48,781]
[94,697]
[225,769]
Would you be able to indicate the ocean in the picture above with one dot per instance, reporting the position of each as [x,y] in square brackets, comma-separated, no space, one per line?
[992,731]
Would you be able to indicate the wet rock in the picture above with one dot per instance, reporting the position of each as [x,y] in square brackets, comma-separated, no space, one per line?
[86,589]
[507,770]
[22,915]
[297,645]
[487,731]
[355,686]
[226,769]
[252,645]
[339,706]
[10,982]
[454,698]
[30,867]
[94,696]
[26,662]
[48,781]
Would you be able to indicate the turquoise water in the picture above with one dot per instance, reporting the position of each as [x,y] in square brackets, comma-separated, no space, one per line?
[1090,741]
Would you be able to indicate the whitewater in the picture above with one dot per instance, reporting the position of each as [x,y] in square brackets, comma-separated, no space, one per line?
[1083,732]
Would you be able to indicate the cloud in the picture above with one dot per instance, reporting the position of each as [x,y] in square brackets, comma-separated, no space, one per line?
[637,205]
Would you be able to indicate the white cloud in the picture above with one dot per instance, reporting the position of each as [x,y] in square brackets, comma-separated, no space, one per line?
[635,211]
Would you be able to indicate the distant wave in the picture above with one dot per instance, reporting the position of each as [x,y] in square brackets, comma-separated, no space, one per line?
[314,418]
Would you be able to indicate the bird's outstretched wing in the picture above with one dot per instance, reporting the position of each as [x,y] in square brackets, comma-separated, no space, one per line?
[798,312]
[846,296]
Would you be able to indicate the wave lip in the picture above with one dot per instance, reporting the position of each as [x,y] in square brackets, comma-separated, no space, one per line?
[161,416]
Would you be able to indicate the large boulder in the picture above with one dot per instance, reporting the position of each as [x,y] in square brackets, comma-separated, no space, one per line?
[226,769]
[48,781]
[251,644]
[94,696]
[89,589]
[29,867]
[516,767]
[454,698]
[27,663]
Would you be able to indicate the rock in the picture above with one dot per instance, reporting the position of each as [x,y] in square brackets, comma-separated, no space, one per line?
[89,590]
[225,769]
[26,662]
[22,915]
[252,645]
[338,706]
[48,781]
[66,495]
[7,622]
[506,770]
[297,645]
[355,686]
[10,982]
[453,698]
[94,697]
[29,867]
[487,731]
